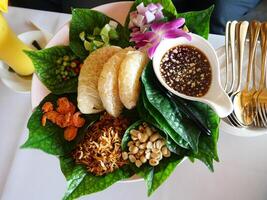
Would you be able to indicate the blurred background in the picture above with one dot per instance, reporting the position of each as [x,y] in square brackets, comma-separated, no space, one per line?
[224,9]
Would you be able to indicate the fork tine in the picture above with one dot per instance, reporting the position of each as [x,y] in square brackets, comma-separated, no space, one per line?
[261,112]
[257,122]
[264,113]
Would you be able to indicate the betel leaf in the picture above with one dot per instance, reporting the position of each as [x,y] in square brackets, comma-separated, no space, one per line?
[86,20]
[198,21]
[161,121]
[207,144]
[175,118]
[127,137]
[155,176]
[45,64]
[80,182]
[50,138]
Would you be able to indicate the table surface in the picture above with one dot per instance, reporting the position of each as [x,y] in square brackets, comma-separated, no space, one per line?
[31,174]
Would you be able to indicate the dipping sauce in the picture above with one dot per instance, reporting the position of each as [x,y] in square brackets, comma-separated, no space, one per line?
[187,70]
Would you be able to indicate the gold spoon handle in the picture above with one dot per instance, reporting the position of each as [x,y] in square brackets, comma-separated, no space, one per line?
[254,30]
[242,33]
[263,53]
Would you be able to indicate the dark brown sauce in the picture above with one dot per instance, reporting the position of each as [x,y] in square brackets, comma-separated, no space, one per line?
[187,70]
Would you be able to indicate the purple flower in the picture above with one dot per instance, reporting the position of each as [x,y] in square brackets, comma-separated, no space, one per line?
[150,40]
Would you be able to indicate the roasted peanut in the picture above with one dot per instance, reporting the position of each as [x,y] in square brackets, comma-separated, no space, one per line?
[143,159]
[154,150]
[149,145]
[142,146]
[142,137]
[132,158]
[130,143]
[154,137]
[134,137]
[133,149]
[138,163]
[140,152]
[159,143]
[156,155]
[148,131]
[148,155]
[153,162]
[137,143]
[124,155]
[134,132]
[165,151]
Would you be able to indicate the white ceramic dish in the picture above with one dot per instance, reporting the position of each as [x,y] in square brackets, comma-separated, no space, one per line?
[216,98]
[227,128]
[12,80]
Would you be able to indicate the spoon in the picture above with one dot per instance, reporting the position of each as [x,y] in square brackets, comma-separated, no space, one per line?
[244,112]
[215,97]
[242,29]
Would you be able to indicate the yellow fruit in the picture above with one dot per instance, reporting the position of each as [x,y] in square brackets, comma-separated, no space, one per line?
[108,88]
[3,5]
[88,97]
[130,71]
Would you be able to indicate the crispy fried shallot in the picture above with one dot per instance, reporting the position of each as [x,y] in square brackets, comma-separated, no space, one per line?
[100,150]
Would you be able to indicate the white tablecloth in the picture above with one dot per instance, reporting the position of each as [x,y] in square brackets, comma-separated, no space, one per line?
[241,173]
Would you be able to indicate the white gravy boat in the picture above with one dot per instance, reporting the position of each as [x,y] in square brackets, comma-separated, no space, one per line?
[216,97]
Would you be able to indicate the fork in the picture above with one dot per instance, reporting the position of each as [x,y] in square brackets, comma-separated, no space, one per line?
[262,97]
[247,105]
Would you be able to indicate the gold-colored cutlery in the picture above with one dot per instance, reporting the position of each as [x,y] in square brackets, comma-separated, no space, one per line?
[250,102]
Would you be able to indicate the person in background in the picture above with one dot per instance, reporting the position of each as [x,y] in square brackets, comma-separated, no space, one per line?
[224,10]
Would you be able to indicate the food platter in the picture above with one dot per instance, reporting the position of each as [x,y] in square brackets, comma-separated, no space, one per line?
[39,91]
[107,119]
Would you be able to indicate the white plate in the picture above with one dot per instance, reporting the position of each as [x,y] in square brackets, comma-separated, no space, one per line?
[13,81]
[227,128]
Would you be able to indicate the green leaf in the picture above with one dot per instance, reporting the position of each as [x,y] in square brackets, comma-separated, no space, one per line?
[207,144]
[91,22]
[172,114]
[155,176]
[45,64]
[161,121]
[50,138]
[198,21]
[80,182]
[163,171]
[127,137]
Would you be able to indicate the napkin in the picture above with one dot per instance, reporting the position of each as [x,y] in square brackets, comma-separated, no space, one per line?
[49,24]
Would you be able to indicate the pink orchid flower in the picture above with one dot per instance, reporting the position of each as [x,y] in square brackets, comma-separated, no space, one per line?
[150,40]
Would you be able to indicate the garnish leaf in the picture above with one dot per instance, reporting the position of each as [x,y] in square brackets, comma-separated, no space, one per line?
[86,20]
[45,64]
[155,176]
[162,122]
[80,182]
[50,138]
[198,21]
[172,114]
